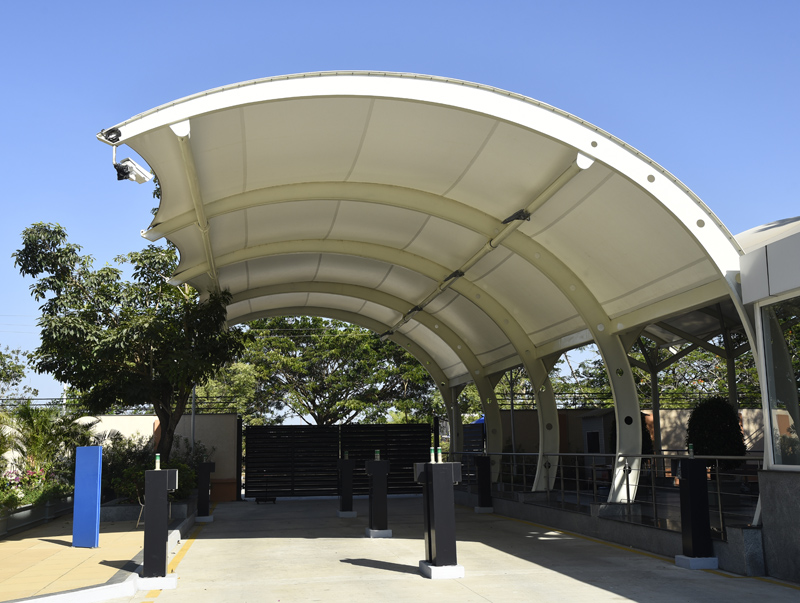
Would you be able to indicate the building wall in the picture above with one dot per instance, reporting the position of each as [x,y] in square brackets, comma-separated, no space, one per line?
[128,426]
[221,433]
[780,491]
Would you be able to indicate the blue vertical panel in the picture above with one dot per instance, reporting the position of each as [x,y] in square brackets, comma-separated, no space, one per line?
[86,516]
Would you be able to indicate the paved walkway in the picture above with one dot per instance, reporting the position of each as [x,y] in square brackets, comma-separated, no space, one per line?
[301,551]
[42,561]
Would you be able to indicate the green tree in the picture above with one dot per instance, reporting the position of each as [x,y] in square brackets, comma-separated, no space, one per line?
[122,342]
[5,439]
[695,373]
[12,373]
[236,387]
[329,372]
[43,436]
[409,411]
[585,380]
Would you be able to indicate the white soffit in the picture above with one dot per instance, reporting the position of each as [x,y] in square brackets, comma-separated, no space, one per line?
[361,193]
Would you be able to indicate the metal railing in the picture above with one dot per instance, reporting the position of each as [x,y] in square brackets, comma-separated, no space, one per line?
[582,481]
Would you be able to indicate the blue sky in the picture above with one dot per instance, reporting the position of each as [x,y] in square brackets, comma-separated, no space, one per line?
[707,89]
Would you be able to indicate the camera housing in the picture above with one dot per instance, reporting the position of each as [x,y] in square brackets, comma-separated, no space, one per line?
[128,169]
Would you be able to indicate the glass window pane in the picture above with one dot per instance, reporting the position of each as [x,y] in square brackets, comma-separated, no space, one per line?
[781,323]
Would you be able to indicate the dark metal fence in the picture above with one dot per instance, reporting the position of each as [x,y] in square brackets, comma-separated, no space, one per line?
[292,460]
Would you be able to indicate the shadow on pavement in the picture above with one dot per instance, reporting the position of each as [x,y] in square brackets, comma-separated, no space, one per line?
[383,565]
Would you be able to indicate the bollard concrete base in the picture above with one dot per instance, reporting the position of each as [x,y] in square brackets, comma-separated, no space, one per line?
[695,563]
[378,533]
[204,519]
[347,514]
[168,582]
[484,509]
[441,572]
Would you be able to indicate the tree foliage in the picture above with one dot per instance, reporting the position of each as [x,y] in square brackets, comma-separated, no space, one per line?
[12,373]
[697,375]
[44,435]
[121,342]
[329,372]
[239,387]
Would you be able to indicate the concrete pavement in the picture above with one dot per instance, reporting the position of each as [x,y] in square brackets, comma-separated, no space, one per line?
[299,550]
[41,561]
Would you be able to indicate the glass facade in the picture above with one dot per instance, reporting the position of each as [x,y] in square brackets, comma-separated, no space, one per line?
[781,328]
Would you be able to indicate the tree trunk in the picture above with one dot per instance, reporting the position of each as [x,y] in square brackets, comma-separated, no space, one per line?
[166,435]
[168,419]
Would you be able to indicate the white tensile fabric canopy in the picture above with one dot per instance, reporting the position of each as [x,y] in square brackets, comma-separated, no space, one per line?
[478,228]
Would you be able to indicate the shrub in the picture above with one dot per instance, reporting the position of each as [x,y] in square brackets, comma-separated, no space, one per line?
[714,429]
[789,446]
[187,462]
[10,493]
[187,480]
[126,459]
[129,484]
[29,486]
[124,462]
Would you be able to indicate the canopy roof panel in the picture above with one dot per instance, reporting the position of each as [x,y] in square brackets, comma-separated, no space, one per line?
[473,224]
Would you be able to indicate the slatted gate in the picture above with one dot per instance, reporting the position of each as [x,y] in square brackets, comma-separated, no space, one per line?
[294,460]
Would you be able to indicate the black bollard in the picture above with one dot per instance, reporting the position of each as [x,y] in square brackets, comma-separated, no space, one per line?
[346,468]
[483,465]
[695,523]
[437,481]
[157,485]
[378,472]
[204,472]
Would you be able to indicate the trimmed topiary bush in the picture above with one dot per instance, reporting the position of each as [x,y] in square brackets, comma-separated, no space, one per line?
[714,429]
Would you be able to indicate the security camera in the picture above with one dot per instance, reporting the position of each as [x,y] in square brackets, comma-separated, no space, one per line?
[128,169]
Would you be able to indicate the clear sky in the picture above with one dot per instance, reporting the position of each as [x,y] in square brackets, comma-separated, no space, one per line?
[708,89]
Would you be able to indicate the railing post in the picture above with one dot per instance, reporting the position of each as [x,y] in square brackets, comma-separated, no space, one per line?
[547,477]
[524,475]
[577,483]
[654,464]
[594,481]
[719,500]
[627,471]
